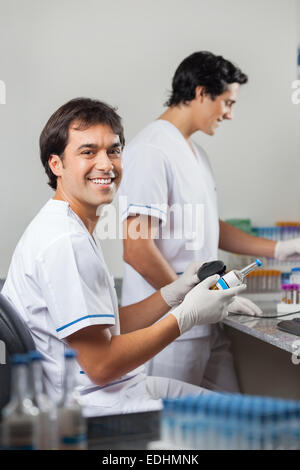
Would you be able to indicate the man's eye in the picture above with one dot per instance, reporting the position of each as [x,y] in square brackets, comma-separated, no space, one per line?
[115,151]
[87,152]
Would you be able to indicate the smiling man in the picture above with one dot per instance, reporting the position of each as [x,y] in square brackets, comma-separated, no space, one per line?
[59,283]
[164,169]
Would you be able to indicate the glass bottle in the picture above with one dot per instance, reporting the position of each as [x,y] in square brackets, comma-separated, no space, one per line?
[236,277]
[20,418]
[71,424]
[47,415]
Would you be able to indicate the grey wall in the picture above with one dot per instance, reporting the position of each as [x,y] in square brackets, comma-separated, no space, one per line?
[125,52]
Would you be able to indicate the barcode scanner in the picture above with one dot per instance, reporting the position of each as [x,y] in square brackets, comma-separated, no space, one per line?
[211,268]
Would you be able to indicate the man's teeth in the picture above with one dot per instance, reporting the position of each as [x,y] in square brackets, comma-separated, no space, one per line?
[101,180]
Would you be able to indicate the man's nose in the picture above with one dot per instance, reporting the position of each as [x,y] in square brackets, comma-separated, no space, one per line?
[229,114]
[103,162]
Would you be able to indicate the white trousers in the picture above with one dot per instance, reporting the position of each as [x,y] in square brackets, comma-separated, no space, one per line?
[143,394]
[206,362]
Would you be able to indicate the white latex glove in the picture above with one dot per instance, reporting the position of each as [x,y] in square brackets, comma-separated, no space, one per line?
[243,305]
[287,248]
[175,292]
[202,306]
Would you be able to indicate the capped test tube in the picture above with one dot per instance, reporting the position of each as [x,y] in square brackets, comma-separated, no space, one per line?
[284,288]
[289,294]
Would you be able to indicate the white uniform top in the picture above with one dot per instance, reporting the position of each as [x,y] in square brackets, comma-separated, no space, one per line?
[160,171]
[59,283]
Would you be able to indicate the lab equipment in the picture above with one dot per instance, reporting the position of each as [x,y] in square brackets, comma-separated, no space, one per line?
[211,268]
[236,277]
[20,418]
[264,280]
[217,421]
[71,424]
[295,276]
[47,412]
[290,326]
[201,306]
[290,299]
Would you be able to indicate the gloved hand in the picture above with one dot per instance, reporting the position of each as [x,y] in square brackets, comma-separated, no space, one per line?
[243,305]
[202,306]
[175,292]
[287,248]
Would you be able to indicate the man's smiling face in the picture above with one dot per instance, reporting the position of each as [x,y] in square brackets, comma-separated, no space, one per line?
[208,113]
[90,170]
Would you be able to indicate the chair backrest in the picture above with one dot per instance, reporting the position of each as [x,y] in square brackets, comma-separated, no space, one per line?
[15,338]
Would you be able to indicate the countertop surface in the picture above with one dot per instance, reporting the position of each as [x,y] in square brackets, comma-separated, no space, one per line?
[265,328]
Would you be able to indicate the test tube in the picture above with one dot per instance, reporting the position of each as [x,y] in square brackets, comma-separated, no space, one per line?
[295,293]
[284,288]
[289,294]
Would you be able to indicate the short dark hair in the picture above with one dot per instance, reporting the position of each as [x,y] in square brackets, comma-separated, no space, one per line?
[54,136]
[205,69]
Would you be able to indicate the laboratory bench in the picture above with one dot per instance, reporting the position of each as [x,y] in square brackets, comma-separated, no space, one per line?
[262,354]
[265,329]
[267,360]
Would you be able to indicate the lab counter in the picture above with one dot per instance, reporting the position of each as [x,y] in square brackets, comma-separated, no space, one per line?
[265,329]
[267,360]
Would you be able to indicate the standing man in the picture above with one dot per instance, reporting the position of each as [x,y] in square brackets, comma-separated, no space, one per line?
[59,283]
[165,170]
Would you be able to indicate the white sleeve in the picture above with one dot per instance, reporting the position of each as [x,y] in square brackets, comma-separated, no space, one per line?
[144,187]
[75,285]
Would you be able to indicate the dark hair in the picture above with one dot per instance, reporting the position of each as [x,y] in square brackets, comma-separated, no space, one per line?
[54,136]
[205,69]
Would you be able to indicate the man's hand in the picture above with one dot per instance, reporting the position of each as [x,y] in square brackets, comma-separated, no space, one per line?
[202,306]
[286,249]
[175,292]
[243,305]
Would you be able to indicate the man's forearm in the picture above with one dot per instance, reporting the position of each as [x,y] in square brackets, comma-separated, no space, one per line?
[128,351]
[142,314]
[236,241]
[148,261]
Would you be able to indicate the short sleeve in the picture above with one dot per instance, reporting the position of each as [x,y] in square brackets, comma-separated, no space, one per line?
[144,188]
[75,285]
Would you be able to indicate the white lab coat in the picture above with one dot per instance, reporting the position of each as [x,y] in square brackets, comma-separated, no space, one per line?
[163,177]
[161,172]
[59,283]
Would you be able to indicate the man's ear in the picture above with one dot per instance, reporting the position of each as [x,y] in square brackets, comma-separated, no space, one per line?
[56,164]
[200,93]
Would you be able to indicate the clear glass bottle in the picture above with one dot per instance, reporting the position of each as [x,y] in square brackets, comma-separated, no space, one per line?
[47,414]
[71,424]
[20,418]
[236,277]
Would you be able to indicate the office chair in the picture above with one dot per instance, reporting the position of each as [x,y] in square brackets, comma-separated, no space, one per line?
[15,338]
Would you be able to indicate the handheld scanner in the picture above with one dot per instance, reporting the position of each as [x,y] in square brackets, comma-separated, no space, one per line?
[211,268]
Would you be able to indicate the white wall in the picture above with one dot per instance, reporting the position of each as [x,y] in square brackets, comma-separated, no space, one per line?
[298,18]
[125,52]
